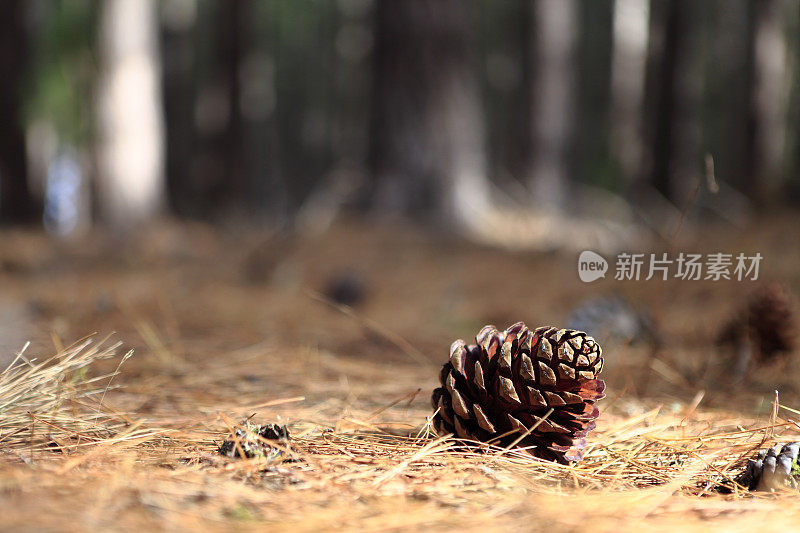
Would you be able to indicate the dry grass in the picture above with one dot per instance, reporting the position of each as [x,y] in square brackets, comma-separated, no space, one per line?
[55,405]
[89,443]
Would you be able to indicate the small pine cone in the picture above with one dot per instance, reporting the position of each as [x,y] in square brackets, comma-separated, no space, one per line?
[253,440]
[772,469]
[501,387]
[767,321]
[771,320]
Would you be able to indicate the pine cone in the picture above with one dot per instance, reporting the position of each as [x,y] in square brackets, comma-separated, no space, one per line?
[772,469]
[771,320]
[501,389]
[253,440]
[768,321]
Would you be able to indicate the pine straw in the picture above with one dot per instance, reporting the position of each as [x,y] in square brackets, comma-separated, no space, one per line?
[356,463]
[362,457]
[642,466]
[55,404]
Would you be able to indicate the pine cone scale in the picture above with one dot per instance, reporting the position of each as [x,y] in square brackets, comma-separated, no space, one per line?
[535,398]
[546,375]
[483,420]
[478,378]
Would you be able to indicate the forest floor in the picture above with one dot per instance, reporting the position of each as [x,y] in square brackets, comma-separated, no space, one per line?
[226,325]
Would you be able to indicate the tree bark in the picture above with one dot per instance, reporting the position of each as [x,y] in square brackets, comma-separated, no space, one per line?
[427,153]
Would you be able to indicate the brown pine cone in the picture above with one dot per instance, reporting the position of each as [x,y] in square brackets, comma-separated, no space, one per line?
[767,324]
[499,389]
[771,320]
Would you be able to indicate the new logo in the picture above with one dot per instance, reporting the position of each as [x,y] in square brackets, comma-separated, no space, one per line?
[591,266]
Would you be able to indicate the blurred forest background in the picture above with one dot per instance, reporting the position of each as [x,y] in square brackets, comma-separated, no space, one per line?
[288,112]
[288,209]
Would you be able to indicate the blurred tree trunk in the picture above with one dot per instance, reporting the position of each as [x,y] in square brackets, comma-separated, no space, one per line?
[179,19]
[727,92]
[347,33]
[305,64]
[673,156]
[631,34]
[554,35]
[350,144]
[768,99]
[267,192]
[592,162]
[504,31]
[218,184]
[130,126]
[16,201]
[427,152]
[232,25]
[219,102]
[792,186]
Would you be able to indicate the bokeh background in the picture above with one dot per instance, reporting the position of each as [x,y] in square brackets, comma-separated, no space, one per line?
[289,209]
[198,174]
[272,112]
